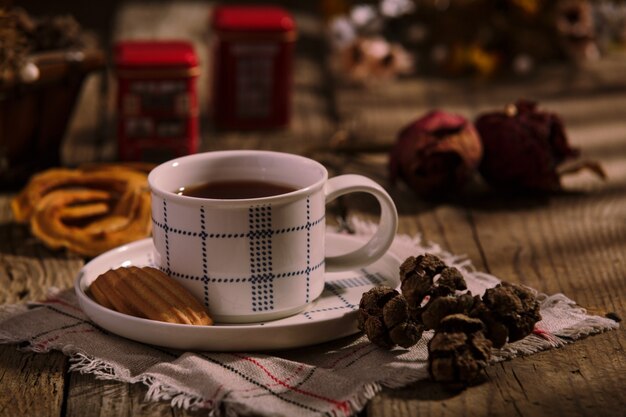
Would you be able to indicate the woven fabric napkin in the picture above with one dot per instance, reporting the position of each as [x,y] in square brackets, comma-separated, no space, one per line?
[336,378]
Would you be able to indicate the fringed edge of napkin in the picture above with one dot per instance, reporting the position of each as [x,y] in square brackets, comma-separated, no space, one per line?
[156,390]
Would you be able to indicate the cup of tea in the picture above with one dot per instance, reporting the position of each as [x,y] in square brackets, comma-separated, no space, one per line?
[244,230]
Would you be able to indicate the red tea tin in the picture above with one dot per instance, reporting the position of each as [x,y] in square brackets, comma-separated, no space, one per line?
[252,66]
[157,99]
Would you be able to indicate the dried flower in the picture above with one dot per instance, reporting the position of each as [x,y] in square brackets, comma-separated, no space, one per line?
[436,153]
[525,148]
[575,26]
[22,35]
[373,59]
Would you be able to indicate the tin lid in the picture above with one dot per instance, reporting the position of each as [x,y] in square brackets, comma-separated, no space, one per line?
[154,54]
[267,19]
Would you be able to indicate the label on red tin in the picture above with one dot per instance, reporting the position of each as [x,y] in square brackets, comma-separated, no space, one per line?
[159,96]
[255,71]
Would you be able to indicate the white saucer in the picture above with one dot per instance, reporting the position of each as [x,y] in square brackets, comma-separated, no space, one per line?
[331,316]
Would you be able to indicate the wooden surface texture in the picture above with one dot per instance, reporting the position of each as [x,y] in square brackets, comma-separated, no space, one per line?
[572,242]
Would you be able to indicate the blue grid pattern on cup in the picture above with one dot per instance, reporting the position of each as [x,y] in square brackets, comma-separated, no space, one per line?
[205,272]
[261,268]
[333,288]
[308,248]
[260,253]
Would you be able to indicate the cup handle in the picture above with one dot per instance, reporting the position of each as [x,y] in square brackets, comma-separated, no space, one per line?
[387,225]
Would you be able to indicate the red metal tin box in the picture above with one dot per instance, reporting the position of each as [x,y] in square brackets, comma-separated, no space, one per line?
[252,66]
[157,99]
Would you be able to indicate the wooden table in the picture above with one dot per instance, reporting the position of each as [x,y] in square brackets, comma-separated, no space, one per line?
[572,242]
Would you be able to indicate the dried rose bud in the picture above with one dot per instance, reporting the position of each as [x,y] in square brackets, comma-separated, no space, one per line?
[429,287]
[525,148]
[459,351]
[509,312]
[417,275]
[439,308]
[384,317]
[436,153]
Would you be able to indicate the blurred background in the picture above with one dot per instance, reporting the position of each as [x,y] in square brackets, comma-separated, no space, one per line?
[361,71]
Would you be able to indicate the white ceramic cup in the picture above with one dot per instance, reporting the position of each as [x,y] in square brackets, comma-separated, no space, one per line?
[255,259]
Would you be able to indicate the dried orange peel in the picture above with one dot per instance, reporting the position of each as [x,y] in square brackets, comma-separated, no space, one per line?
[87,211]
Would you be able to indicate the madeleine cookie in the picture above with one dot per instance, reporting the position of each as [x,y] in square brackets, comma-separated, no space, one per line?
[149,293]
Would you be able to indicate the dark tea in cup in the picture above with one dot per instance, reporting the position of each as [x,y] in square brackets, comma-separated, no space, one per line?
[234,190]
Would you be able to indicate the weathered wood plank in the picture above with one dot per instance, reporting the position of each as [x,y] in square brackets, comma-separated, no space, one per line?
[558,382]
[27,268]
[31,384]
